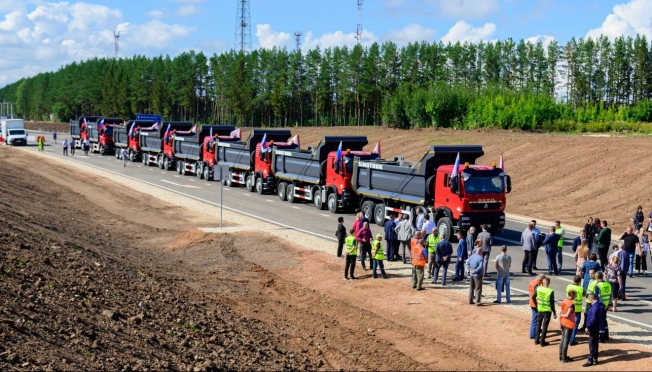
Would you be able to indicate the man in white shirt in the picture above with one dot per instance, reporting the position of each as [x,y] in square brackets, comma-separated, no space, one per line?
[427,226]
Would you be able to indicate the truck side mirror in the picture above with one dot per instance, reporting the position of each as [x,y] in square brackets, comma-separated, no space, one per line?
[509,184]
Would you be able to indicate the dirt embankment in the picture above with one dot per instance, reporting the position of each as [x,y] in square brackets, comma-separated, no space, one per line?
[48,126]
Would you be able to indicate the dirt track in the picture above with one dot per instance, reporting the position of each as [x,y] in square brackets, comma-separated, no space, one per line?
[84,245]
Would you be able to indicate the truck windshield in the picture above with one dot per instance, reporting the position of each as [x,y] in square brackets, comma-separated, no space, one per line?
[483,182]
[17,132]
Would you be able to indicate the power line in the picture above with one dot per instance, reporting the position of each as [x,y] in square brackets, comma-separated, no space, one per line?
[243,26]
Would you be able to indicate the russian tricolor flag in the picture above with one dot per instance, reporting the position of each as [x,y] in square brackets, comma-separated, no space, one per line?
[101,124]
[377,149]
[295,140]
[167,133]
[263,144]
[236,133]
[131,130]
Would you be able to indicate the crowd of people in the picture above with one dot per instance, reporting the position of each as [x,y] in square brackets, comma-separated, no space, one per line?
[598,284]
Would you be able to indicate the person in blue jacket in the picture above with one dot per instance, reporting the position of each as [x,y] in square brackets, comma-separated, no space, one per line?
[392,238]
[550,244]
[461,257]
[594,320]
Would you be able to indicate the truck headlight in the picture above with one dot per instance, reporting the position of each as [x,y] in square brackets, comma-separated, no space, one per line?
[502,217]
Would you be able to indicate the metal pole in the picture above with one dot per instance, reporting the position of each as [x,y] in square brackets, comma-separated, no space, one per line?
[221,196]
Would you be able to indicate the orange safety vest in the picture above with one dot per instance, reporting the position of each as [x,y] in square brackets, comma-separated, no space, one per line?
[530,290]
[418,259]
[570,321]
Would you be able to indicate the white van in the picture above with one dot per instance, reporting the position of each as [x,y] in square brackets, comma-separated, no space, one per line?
[13,132]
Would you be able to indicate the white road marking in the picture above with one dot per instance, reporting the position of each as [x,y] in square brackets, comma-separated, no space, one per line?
[151,169]
[139,166]
[164,172]
[176,184]
[325,215]
[245,194]
[176,175]
[191,179]
[295,207]
[269,200]
[209,184]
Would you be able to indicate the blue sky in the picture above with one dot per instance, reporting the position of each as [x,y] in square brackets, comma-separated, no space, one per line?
[40,35]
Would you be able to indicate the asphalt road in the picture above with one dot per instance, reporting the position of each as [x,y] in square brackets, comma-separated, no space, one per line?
[306,218]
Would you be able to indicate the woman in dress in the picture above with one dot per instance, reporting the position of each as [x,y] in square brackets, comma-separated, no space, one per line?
[642,251]
[614,277]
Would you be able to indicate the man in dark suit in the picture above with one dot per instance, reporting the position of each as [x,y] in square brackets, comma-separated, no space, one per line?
[593,324]
[392,238]
[550,244]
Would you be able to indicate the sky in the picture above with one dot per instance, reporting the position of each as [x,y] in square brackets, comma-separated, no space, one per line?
[41,35]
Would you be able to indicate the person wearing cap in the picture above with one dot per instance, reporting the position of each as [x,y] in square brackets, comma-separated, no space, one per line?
[378,256]
[443,253]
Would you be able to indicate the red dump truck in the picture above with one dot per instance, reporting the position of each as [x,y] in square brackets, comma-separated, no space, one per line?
[79,129]
[194,153]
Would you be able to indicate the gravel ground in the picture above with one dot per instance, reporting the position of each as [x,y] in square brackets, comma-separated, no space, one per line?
[618,330]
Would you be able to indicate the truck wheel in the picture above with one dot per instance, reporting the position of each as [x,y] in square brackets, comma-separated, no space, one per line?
[131,156]
[281,191]
[178,167]
[183,168]
[161,162]
[368,210]
[379,214]
[319,203]
[332,203]
[199,171]
[144,158]
[116,155]
[228,182]
[102,151]
[166,164]
[249,183]
[207,173]
[445,228]
[290,193]
[259,186]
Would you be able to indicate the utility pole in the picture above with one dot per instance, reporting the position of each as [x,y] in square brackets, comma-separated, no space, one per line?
[243,27]
[297,38]
[116,36]
[358,32]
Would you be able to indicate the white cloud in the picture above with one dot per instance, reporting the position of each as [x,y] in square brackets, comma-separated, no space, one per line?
[464,32]
[463,8]
[626,20]
[54,34]
[411,33]
[189,1]
[544,39]
[157,13]
[268,38]
[187,11]
[337,38]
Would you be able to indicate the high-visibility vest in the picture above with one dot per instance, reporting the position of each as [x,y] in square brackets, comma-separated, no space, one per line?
[591,287]
[605,292]
[418,259]
[560,231]
[531,287]
[351,245]
[570,321]
[579,290]
[432,242]
[543,299]
[380,254]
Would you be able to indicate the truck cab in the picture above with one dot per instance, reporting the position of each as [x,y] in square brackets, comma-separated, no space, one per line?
[476,197]
[339,176]
[79,130]
[102,138]
[13,132]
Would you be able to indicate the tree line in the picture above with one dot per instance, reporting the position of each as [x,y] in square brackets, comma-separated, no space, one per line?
[504,84]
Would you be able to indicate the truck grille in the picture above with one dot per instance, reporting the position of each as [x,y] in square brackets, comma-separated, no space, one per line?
[480,206]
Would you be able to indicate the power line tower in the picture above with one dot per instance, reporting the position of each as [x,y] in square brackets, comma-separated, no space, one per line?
[358,32]
[297,38]
[243,26]
[116,36]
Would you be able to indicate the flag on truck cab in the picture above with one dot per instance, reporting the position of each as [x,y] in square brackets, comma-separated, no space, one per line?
[167,133]
[211,137]
[193,130]
[84,122]
[156,126]
[338,154]
[237,134]
[377,149]
[455,171]
[502,166]
[101,124]
[263,144]
[295,140]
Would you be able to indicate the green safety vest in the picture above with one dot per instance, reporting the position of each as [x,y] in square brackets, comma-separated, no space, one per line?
[543,299]
[591,287]
[561,239]
[578,299]
[351,245]
[432,242]
[380,254]
[605,292]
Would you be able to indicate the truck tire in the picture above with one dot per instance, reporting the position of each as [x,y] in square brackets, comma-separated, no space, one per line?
[166,164]
[319,203]
[183,168]
[102,150]
[249,183]
[116,155]
[178,167]
[290,194]
[259,186]
[281,191]
[331,201]
[199,170]
[132,156]
[445,228]
[368,210]
[228,182]
[379,214]
[207,173]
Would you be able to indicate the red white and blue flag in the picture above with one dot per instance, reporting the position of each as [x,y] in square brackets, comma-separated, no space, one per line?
[194,129]
[156,126]
[377,149]
[455,172]
[84,123]
[236,133]
[263,144]
[101,124]
[295,140]
[338,154]
[502,166]
[167,133]
[131,130]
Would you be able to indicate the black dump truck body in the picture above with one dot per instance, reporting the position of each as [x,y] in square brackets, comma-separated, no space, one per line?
[189,146]
[406,181]
[310,165]
[151,141]
[240,155]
